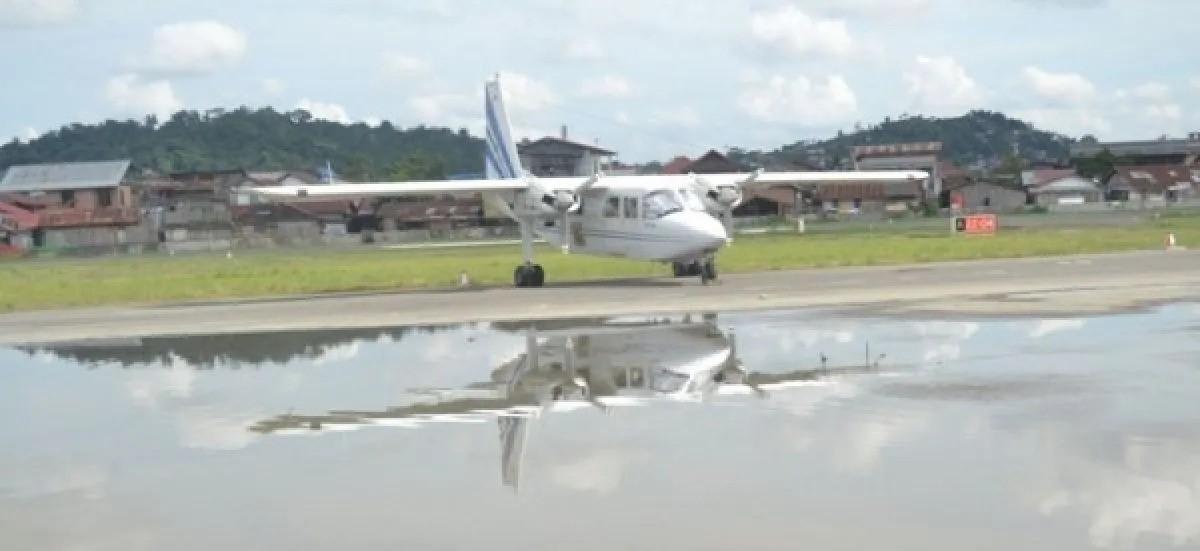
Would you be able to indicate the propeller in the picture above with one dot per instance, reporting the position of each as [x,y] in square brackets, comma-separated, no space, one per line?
[726,198]
[562,201]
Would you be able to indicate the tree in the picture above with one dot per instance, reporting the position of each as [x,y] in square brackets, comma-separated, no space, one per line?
[418,165]
[1100,165]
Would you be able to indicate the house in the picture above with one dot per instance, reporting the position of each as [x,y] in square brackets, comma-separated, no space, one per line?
[74,204]
[1051,186]
[558,156]
[867,197]
[988,197]
[1157,184]
[1161,152]
[904,156]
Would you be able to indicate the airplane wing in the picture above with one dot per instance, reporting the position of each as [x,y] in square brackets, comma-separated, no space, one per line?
[428,187]
[774,178]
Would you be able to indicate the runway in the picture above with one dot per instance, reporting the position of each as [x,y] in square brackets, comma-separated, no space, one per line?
[1045,287]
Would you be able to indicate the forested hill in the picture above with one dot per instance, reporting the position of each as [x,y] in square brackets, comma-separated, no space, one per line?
[262,139]
[265,139]
[976,139]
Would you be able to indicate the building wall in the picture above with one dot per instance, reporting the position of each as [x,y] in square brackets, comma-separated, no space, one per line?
[991,197]
[82,237]
[1054,197]
[915,162]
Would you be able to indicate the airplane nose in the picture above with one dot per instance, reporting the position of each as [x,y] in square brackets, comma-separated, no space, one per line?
[708,230]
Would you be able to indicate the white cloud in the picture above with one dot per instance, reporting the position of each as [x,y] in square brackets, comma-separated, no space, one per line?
[130,94]
[273,86]
[29,133]
[524,93]
[36,13]
[940,86]
[1069,88]
[868,9]
[793,31]
[324,111]
[613,86]
[1153,101]
[1048,326]
[437,108]
[683,115]
[1153,91]
[800,100]
[196,47]
[404,66]
[600,473]
[1074,121]
[146,388]
[206,429]
[584,49]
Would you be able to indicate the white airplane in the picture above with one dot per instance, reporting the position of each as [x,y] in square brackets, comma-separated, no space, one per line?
[678,219]
[604,365]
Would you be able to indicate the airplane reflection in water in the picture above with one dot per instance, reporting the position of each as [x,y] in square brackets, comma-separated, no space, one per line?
[600,366]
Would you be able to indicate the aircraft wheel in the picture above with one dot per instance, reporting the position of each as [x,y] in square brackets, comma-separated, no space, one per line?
[708,271]
[538,276]
[679,269]
[520,279]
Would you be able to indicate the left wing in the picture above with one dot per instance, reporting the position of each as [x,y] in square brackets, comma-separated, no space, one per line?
[427,187]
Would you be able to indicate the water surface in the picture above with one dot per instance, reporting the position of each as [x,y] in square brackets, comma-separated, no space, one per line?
[774,430]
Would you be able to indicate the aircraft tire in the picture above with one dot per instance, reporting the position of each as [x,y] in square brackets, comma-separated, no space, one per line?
[522,277]
[708,270]
[538,276]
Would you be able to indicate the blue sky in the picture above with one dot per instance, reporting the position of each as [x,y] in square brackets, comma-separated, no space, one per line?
[650,83]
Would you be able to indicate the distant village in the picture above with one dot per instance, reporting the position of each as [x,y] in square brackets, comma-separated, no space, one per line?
[101,208]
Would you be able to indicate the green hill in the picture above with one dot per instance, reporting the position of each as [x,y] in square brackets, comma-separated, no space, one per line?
[262,139]
[265,139]
[978,139]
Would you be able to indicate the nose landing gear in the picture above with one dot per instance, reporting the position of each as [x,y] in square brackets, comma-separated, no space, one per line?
[706,269]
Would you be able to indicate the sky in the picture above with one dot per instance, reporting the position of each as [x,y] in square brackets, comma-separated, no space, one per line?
[650,83]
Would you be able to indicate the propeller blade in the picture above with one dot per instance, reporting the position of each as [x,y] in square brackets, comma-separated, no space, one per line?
[727,221]
[566,233]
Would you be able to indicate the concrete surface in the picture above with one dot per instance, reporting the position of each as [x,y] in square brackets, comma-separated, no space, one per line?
[1061,286]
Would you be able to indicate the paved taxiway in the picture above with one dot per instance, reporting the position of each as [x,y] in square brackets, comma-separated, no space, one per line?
[1061,286]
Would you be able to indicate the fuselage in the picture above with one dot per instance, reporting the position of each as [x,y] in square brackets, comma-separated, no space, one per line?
[668,222]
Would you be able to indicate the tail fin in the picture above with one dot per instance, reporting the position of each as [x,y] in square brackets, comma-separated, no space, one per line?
[500,155]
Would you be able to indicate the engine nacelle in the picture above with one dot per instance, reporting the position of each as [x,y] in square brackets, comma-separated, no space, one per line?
[722,198]
[539,201]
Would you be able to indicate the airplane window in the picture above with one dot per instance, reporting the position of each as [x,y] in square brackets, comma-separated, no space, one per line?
[612,207]
[660,203]
[631,207]
[637,377]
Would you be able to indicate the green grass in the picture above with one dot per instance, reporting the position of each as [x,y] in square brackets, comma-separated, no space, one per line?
[45,284]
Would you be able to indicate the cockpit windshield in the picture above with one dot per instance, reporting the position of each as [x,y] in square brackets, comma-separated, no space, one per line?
[660,203]
[690,200]
[668,382]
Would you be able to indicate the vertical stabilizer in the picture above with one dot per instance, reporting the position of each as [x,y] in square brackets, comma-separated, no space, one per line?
[500,155]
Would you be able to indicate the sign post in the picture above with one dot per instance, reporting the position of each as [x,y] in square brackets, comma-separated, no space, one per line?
[976,224]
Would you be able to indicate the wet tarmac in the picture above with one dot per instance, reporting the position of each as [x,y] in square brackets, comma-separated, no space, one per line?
[751,430]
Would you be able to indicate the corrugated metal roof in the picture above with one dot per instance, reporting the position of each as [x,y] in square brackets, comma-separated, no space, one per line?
[63,176]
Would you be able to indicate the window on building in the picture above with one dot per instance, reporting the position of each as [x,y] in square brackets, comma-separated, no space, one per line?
[631,207]
[104,198]
[612,207]
[68,198]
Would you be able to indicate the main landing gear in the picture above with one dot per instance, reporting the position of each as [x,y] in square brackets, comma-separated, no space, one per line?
[706,269]
[529,275]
